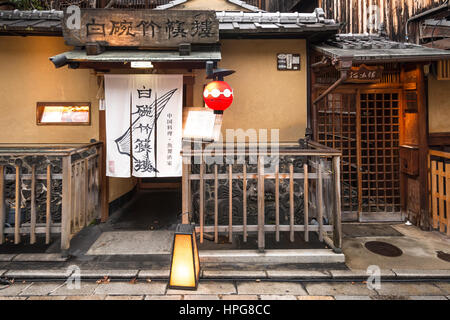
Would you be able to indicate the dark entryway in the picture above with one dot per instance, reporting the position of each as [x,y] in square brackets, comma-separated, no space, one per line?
[149,210]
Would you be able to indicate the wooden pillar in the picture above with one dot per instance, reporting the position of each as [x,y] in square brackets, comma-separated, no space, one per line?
[425,216]
[103,180]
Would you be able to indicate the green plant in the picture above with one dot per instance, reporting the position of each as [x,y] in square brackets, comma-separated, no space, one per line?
[31,4]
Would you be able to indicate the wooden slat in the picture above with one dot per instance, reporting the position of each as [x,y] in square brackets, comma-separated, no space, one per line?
[2,204]
[441,154]
[447,184]
[254,176]
[337,223]
[306,201]
[185,191]
[277,203]
[320,200]
[434,199]
[75,199]
[244,201]
[230,203]
[267,228]
[66,208]
[72,198]
[291,201]
[202,198]
[80,195]
[216,205]
[33,206]
[189,185]
[440,176]
[86,194]
[261,237]
[48,216]
[12,177]
[17,208]
[90,190]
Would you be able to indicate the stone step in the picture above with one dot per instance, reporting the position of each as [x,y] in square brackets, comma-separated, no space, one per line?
[297,256]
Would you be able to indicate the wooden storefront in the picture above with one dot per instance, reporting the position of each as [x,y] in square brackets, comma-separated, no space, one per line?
[251,45]
[376,115]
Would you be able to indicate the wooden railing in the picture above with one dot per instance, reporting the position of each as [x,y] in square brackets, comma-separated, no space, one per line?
[49,190]
[306,180]
[439,194]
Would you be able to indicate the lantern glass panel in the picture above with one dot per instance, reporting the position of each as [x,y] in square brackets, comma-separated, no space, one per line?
[182,269]
[196,257]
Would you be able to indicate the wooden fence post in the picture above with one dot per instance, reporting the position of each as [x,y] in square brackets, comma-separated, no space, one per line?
[306,201]
[33,206]
[261,239]
[66,204]
[185,182]
[337,223]
[319,191]
[48,215]
[17,208]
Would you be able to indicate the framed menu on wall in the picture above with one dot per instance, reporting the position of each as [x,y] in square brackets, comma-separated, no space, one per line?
[288,62]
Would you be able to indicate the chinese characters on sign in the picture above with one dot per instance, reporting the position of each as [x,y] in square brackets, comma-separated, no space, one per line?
[365,73]
[143,28]
[288,62]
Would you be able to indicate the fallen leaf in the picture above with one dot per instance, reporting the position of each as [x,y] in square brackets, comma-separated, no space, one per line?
[149,280]
[104,280]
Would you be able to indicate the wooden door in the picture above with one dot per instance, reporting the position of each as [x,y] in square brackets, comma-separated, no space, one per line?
[365,126]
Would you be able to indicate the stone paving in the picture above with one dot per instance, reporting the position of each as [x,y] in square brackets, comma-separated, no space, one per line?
[226,290]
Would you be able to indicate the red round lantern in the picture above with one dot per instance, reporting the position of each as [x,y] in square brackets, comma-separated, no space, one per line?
[218,95]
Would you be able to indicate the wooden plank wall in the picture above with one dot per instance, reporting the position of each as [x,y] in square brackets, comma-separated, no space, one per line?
[358,14]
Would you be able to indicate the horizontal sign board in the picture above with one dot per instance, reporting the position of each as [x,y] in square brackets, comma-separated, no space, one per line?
[140,28]
[365,74]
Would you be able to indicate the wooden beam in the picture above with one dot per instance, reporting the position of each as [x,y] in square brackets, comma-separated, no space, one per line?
[439,139]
